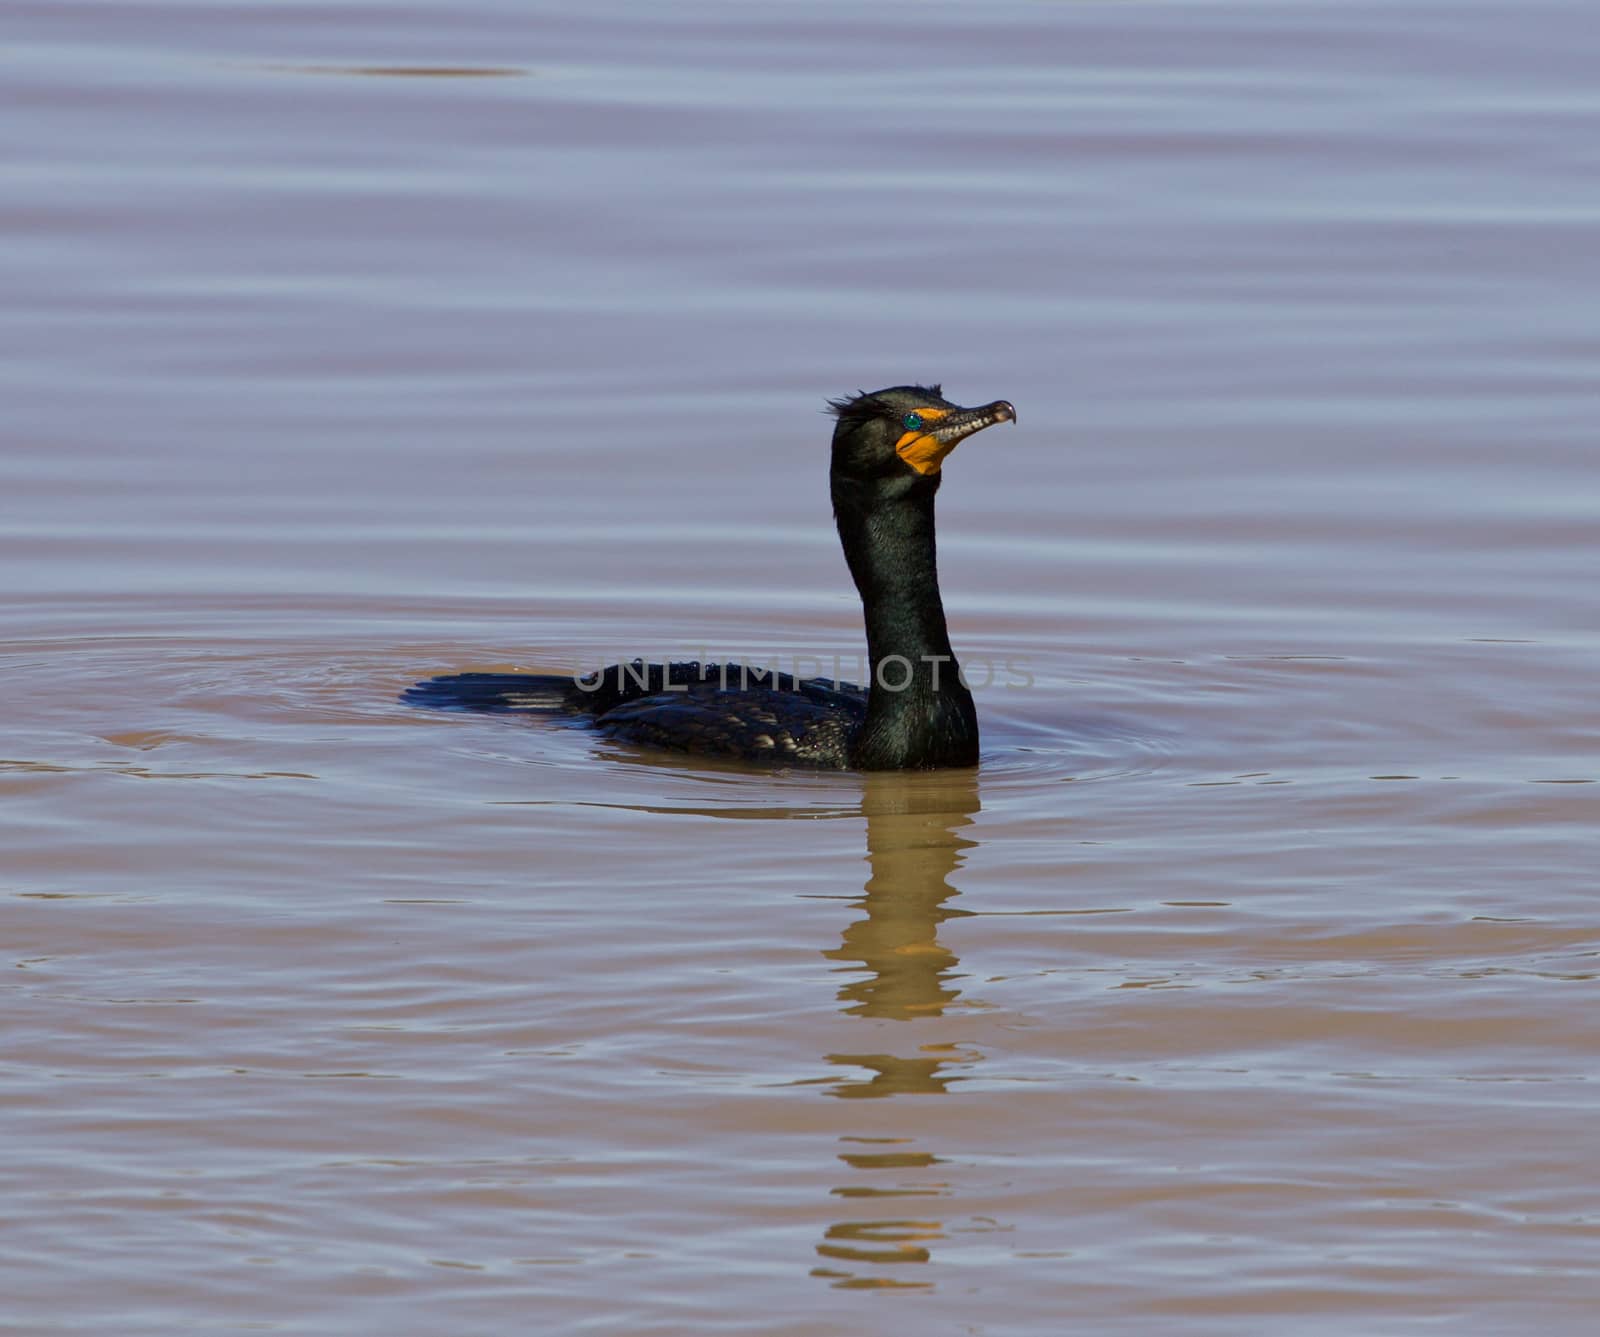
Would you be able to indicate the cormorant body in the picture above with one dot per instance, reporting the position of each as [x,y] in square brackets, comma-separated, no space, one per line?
[915,714]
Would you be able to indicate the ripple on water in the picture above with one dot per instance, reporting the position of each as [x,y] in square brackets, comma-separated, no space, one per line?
[1247,984]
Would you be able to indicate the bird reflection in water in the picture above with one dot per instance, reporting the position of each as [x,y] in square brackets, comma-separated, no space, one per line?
[900,971]
[912,848]
[897,971]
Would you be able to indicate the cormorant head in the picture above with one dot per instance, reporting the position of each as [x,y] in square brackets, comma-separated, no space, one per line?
[904,431]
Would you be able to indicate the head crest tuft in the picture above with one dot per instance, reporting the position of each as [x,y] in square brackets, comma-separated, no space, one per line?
[864,404]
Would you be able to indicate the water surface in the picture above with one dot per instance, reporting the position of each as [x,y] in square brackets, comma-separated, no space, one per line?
[1247,986]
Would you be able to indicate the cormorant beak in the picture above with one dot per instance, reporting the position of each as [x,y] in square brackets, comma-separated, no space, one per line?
[959,424]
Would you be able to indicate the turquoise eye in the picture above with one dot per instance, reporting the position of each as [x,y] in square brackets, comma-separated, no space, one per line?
[912,422]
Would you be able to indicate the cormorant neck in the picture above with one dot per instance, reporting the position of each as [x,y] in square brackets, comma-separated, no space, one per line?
[919,712]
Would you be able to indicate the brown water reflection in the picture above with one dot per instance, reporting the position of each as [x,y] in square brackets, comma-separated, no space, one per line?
[915,844]
[914,847]
[891,1174]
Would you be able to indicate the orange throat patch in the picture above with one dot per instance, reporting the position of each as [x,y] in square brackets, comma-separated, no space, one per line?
[921,450]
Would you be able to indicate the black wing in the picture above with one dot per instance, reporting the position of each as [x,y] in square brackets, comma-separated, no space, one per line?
[798,723]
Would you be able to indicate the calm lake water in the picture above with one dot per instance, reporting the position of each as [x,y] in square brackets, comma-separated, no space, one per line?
[1248,986]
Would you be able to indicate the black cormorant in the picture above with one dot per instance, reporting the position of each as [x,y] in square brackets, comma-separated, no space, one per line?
[915,714]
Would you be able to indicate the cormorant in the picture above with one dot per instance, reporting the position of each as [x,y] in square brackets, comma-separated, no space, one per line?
[915,714]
